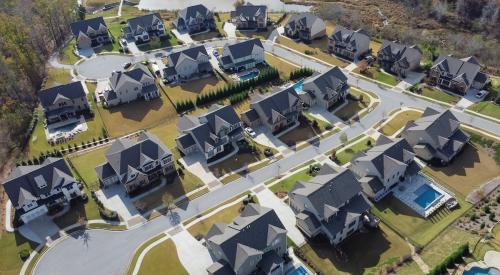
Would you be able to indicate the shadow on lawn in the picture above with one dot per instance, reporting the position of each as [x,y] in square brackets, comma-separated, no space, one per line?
[363,250]
[137,110]
[467,158]
[198,86]
[391,203]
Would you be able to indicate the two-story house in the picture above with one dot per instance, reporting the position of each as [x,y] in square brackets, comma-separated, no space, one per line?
[194,19]
[325,89]
[90,33]
[436,136]
[34,189]
[383,166]
[398,59]
[331,204]
[305,26]
[249,16]
[349,44]
[458,75]
[135,163]
[132,85]
[64,102]
[142,28]
[242,55]
[210,133]
[254,243]
[277,110]
[188,63]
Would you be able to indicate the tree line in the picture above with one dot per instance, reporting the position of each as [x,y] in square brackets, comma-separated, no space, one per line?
[31,31]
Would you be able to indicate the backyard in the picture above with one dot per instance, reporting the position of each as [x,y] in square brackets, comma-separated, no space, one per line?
[367,252]
[284,67]
[191,89]
[409,224]
[356,101]
[399,121]
[56,77]
[469,170]
[162,259]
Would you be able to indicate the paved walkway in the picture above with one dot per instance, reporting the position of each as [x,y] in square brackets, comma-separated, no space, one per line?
[351,67]
[192,254]
[184,37]
[230,30]
[8,222]
[418,260]
[285,213]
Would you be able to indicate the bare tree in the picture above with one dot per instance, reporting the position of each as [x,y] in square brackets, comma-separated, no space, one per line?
[169,201]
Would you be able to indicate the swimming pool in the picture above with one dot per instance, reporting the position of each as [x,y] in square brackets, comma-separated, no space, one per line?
[298,271]
[298,86]
[426,196]
[249,75]
[482,271]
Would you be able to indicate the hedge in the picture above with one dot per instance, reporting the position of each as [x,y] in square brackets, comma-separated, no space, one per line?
[450,261]
[301,73]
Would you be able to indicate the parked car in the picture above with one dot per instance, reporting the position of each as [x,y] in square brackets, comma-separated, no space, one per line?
[369,59]
[123,42]
[216,53]
[127,65]
[480,94]
[250,132]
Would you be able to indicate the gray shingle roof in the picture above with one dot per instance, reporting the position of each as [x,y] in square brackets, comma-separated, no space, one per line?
[192,12]
[248,235]
[328,83]
[125,154]
[21,186]
[350,37]
[141,23]
[119,80]
[276,103]
[70,91]
[306,19]
[399,52]
[244,48]
[250,12]
[191,53]
[83,25]
[464,69]
[357,206]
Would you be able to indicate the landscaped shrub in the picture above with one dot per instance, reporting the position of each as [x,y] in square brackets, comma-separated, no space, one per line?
[183,106]
[301,73]
[268,152]
[328,127]
[450,261]
[237,98]
[24,254]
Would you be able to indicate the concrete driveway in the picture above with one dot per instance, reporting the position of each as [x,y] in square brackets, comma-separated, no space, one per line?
[230,30]
[266,138]
[196,164]
[192,254]
[40,229]
[470,98]
[184,36]
[411,78]
[285,213]
[115,198]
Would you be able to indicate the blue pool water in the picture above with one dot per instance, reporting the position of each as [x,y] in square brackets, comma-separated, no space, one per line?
[482,271]
[298,271]
[298,86]
[426,195]
[65,128]
[249,75]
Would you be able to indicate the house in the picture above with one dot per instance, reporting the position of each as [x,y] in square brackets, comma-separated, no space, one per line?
[188,63]
[398,59]
[325,89]
[127,86]
[250,16]
[305,26]
[135,163]
[242,55]
[383,166]
[349,44]
[194,19]
[142,28]
[254,243]
[64,102]
[277,111]
[435,136]
[33,189]
[211,133]
[331,204]
[458,75]
[90,33]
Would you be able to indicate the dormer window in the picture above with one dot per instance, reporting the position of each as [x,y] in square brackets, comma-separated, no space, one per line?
[40,181]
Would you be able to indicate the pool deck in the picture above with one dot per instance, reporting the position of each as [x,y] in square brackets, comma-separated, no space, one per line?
[405,192]
[491,260]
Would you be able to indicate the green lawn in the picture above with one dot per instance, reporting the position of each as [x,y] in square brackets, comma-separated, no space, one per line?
[411,225]
[399,121]
[286,185]
[410,268]
[162,259]
[154,44]
[440,95]
[139,251]
[354,105]
[487,108]
[346,155]
[367,252]
[85,164]
[38,141]
[67,55]
[56,77]
[284,67]
[10,246]
[375,73]
[226,215]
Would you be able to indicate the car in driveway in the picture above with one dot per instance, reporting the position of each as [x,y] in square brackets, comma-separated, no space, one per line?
[127,65]
[250,132]
[480,94]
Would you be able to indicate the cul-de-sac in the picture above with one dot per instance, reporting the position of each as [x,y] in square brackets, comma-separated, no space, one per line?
[280,137]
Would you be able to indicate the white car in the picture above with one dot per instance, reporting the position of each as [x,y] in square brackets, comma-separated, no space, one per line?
[480,94]
[250,132]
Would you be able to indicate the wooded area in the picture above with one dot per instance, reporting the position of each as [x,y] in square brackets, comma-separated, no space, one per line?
[31,30]
[459,27]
